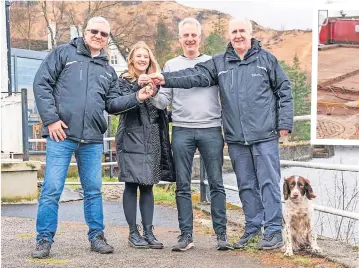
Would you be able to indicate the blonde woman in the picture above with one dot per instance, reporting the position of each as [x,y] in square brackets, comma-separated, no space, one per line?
[143,148]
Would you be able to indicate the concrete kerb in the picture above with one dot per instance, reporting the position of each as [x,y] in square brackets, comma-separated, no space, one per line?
[334,251]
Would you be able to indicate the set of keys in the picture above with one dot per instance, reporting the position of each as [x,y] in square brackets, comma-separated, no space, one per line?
[148,88]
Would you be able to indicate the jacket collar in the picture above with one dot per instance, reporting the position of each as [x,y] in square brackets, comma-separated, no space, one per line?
[231,55]
[83,49]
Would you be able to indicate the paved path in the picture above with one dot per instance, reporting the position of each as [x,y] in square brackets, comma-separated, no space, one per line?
[71,248]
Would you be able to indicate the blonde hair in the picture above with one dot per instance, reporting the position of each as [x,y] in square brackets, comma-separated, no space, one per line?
[153,67]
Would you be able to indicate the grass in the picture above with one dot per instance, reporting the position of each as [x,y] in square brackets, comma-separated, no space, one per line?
[49,261]
[164,196]
[301,131]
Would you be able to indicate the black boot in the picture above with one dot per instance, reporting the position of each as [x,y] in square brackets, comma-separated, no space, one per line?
[150,238]
[135,239]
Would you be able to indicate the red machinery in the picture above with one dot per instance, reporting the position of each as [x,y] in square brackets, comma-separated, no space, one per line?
[340,30]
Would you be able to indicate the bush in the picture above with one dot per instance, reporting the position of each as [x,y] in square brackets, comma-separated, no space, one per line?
[301,95]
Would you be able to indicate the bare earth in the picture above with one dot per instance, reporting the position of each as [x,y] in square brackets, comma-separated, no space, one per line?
[335,121]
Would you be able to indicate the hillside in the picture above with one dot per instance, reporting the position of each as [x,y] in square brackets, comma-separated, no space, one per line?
[132,21]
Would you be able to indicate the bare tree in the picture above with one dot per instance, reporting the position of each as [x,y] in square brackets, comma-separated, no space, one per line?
[54,12]
[22,21]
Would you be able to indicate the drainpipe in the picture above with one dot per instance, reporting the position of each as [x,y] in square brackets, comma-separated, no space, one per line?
[7,23]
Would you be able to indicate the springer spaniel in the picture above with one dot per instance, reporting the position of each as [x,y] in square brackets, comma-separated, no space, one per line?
[299,230]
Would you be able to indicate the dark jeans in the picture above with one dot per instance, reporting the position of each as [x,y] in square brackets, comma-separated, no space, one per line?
[209,142]
[257,169]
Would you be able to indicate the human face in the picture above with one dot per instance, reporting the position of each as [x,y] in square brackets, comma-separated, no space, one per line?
[141,60]
[189,39]
[240,36]
[96,42]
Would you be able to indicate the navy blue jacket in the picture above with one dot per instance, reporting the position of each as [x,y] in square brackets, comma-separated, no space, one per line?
[256,95]
[76,88]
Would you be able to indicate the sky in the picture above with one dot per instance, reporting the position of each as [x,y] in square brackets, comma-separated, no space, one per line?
[279,15]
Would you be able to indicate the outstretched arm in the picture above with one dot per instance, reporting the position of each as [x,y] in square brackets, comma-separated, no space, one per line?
[203,74]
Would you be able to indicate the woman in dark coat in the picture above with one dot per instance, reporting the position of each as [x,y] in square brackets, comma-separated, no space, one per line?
[143,148]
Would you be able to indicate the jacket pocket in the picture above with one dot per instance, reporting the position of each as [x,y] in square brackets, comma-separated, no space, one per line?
[121,163]
[134,140]
[101,123]
[225,79]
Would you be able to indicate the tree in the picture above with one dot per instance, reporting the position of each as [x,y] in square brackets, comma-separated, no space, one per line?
[214,44]
[301,93]
[219,26]
[163,40]
[22,22]
[54,15]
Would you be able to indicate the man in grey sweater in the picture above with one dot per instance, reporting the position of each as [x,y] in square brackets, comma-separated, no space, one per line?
[196,116]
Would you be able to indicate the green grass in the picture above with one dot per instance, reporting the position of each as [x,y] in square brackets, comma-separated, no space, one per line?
[302,261]
[301,131]
[49,261]
[164,195]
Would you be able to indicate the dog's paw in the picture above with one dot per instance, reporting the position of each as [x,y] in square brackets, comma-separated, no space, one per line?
[317,249]
[288,253]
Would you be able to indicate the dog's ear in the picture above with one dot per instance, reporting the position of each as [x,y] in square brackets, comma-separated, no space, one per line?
[308,190]
[286,190]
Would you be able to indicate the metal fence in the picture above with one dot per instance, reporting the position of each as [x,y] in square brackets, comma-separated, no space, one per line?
[204,189]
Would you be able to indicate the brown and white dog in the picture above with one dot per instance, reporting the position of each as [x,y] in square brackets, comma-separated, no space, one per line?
[298,211]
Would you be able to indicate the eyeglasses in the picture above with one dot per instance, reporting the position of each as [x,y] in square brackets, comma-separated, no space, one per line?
[95,32]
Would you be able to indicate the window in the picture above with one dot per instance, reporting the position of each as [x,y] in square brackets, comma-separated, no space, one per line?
[114,59]
[26,70]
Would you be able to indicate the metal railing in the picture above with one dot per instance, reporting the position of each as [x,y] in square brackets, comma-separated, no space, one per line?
[204,189]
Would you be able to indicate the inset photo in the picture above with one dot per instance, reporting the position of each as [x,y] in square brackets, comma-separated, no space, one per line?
[338,75]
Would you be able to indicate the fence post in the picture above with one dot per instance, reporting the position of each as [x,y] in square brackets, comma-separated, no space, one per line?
[25,125]
[204,192]
[109,130]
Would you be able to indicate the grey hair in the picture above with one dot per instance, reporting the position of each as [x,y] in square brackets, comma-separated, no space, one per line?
[245,21]
[191,21]
[99,20]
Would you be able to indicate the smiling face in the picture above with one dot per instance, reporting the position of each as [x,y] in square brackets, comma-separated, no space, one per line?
[240,36]
[141,60]
[97,41]
[190,38]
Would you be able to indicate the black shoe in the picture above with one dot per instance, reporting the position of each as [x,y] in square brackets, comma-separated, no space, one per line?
[42,249]
[271,241]
[222,242]
[150,238]
[135,239]
[245,238]
[184,243]
[99,244]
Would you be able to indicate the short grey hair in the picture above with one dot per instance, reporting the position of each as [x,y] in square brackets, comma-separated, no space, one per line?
[191,21]
[248,23]
[98,20]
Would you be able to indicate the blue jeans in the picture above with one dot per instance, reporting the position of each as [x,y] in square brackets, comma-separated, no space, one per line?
[209,142]
[257,169]
[58,158]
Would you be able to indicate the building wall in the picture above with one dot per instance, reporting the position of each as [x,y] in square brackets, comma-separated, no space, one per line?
[3,52]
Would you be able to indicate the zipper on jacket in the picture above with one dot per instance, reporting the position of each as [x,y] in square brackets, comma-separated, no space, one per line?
[232,81]
[83,125]
[81,67]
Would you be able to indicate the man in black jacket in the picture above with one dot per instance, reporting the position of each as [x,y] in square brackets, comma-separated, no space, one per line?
[257,107]
[72,88]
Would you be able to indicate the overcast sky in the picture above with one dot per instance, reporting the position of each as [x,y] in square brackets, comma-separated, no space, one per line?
[279,15]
